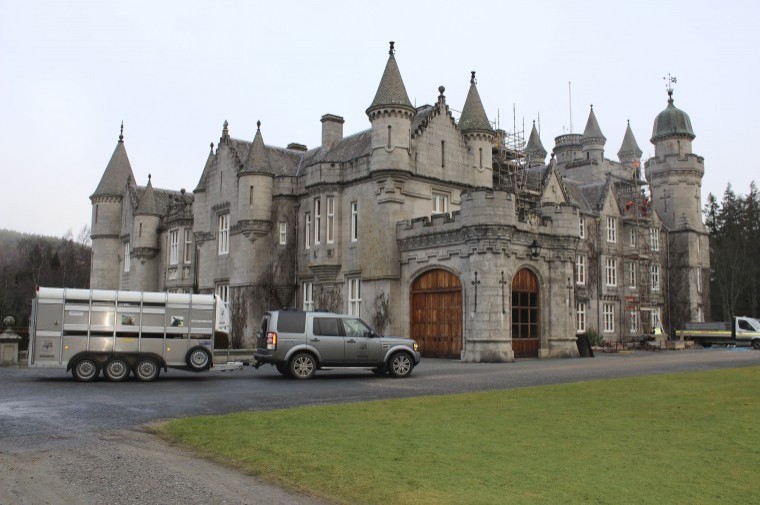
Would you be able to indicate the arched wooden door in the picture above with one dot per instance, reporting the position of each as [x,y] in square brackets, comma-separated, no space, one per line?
[525,311]
[436,318]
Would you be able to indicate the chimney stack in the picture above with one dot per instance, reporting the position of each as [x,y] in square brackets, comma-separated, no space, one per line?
[332,130]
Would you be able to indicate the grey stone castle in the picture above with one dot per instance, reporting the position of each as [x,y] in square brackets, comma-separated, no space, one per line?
[426,226]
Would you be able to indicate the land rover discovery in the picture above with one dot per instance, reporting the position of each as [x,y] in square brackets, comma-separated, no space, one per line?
[300,343]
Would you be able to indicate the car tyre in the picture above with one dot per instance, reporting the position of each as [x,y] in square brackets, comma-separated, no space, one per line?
[116,370]
[198,359]
[400,365]
[147,370]
[302,366]
[756,344]
[85,370]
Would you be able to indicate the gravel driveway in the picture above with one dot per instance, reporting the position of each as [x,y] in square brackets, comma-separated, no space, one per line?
[66,442]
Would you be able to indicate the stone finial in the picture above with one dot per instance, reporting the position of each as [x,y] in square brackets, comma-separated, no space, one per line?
[472,79]
[212,148]
[258,125]
[121,132]
[225,129]
[392,50]
[9,321]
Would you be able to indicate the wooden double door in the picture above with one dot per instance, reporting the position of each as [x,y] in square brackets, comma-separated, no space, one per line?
[526,336]
[436,317]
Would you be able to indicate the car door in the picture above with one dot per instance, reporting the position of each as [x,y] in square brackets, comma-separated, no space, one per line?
[363,346]
[327,338]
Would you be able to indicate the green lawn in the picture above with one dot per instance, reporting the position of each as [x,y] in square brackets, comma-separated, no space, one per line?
[683,438]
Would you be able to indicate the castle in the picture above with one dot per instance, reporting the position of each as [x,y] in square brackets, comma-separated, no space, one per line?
[426,226]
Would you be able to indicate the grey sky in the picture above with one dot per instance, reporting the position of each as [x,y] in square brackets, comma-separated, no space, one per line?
[174,71]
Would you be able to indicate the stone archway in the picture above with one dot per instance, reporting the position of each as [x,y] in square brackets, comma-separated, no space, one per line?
[526,336]
[436,314]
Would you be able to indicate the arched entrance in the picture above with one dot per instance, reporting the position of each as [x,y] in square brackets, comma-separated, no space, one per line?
[525,310]
[436,317]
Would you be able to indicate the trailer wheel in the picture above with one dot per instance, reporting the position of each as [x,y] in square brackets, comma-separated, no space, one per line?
[116,370]
[147,370]
[198,359]
[85,370]
[756,343]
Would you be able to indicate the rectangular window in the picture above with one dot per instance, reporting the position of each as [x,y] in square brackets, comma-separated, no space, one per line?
[126,257]
[582,227]
[611,272]
[655,274]
[580,317]
[632,237]
[283,233]
[250,196]
[330,219]
[700,314]
[307,230]
[654,316]
[354,221]
[223,291]
[174,247]
[317,221]
[698,275]
[611,229]
[308,296]
[580,269]
[609,317]
[654,238]
[632,274]
[355,297]
[440,203]
[187,257]
[223,237]
[634,322]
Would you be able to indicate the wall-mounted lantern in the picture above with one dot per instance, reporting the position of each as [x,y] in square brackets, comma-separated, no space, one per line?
[535,249]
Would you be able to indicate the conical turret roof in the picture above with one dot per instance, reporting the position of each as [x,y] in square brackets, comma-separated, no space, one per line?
[592,133]
[258,158]
[629,146]
[534,145]
[474,116]
[391,90]
[147,205]
[118,172]
[672,122]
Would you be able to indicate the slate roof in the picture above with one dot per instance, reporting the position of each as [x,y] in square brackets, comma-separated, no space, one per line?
[258,156]
[117,174]
[474,116]
[592,130]
[148,205]
[589,197]
[629,145]
[391,90]
[534,145]
[206,168]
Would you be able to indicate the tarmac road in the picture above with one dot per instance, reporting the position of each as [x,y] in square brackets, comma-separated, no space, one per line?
[66,442]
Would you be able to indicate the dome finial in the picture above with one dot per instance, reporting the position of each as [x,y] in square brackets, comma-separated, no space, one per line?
[392,50]
[121,133]
[258,125]
[212,148]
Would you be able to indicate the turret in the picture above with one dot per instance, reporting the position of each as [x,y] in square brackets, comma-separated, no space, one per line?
[255,183]
[107,206]
[630,153]
[145,244]
[672,132]
[391,115]
[478,134]
[593,140]
[536,154]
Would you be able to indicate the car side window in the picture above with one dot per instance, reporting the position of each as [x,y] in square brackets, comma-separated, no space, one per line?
[744,325]
[326,326]
[355,328]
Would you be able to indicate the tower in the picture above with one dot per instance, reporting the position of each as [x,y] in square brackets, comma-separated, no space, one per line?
[144,269]
[630,153]
[675,177]
[593,140]
[536,154]
[478,134]
[107,206]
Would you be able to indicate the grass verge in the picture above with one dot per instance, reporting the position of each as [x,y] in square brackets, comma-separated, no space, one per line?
[683,438]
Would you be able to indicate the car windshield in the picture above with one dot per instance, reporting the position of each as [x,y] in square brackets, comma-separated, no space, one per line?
[755,323]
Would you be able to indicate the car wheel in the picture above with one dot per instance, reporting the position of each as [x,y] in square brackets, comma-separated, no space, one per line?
[116,370]
[756,344]
[198,359]
[85,370]
[147,370]
[303,365]
[400,365]
[283,368]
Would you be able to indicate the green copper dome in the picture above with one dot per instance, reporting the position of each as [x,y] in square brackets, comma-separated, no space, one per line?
[672,122]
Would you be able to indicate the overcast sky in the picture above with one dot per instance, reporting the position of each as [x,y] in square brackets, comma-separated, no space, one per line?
[71,71]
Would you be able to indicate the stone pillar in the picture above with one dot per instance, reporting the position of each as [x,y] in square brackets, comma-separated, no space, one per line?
[9,343]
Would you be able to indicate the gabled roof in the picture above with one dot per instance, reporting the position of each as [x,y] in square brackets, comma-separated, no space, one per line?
[589,197]
[474,116]
[391,90]
[117,175]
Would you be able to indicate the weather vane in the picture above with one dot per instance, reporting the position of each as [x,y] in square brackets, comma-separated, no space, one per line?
[669,81]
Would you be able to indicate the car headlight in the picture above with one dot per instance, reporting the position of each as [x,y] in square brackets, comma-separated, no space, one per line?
[416,346]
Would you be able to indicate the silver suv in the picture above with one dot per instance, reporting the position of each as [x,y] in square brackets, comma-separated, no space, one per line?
[299,343]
